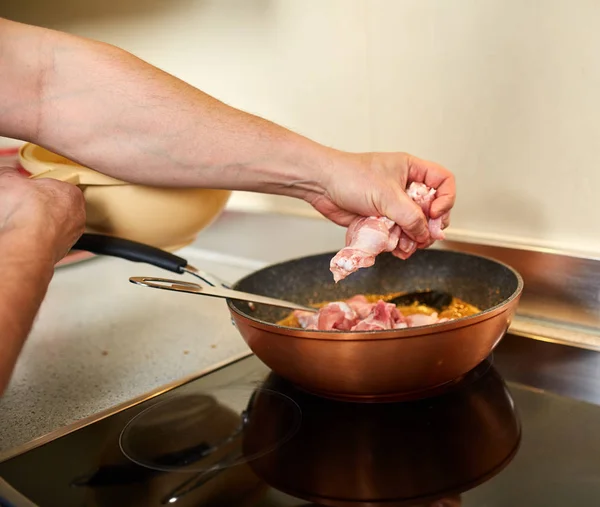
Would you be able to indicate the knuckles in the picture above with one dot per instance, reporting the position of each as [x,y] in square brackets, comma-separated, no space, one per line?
[62,202]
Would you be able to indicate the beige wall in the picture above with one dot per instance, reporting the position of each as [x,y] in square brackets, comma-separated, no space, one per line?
[506,93]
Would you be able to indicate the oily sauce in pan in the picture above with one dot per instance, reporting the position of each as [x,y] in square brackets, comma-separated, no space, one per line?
[457,309]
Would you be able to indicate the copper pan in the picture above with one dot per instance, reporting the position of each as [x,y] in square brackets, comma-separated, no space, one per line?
[379,365]
[361,366]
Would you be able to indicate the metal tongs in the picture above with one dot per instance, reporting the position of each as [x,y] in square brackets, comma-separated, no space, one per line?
[215,291]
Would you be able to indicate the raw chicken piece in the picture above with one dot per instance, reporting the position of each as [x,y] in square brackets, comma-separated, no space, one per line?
[337,315]
[366,238]
[423,196]
[435,228]
[360,305]
[357,314]
[307,320]
[418,319]
[383,316]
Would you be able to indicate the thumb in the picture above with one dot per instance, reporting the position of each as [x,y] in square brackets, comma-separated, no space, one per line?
[408,215]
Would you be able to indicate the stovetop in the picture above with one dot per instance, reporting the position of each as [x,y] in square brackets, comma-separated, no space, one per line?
[520,429]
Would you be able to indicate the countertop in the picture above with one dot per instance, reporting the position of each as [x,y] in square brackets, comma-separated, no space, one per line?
[100,341]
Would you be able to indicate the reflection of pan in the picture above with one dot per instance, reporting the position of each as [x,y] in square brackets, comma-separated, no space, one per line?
[397,454]
[451,501]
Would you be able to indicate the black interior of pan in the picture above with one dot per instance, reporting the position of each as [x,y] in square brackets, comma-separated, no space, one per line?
[476,280]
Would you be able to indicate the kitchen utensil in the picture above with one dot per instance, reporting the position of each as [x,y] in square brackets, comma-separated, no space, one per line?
[168,218]
[369,365]
[137,252]
[194,288]
[435,299]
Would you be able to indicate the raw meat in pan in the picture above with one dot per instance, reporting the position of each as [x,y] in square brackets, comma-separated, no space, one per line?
[357,314]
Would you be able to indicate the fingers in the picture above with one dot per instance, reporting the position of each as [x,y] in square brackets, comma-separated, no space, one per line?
[401,255]
[426,245]
[434,176]
[406,247]
[446,220]
[436,227]
[408,215]
[441,205]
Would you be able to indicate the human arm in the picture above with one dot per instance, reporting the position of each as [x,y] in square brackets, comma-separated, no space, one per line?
[105,108]
[39,222]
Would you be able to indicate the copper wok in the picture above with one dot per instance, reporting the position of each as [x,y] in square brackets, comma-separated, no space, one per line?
[379,365]
[361,366]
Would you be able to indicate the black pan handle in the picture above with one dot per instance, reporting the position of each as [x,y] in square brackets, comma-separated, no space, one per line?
[130,250]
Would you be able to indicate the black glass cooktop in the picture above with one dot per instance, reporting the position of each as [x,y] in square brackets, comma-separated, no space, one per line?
[520,429]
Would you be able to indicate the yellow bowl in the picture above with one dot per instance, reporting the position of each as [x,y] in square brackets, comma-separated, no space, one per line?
[168,218]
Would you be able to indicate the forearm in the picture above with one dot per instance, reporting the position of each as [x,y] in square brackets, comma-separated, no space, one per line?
[26,274]
[108,110]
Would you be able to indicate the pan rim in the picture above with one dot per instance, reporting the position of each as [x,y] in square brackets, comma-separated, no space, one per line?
[379,335]
[385,333]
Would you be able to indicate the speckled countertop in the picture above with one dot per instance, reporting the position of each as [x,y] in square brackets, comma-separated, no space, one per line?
[100,341]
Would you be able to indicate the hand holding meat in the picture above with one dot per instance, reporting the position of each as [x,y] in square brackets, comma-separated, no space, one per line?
[213,145]
[391,202]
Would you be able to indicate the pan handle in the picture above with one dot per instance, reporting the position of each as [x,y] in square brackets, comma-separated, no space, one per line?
[130,250]
[127,249]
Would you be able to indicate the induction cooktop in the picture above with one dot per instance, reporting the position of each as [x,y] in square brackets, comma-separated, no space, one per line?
[520,429]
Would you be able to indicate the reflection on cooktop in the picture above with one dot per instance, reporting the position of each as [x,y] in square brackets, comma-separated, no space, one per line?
[243,437]
[409,453]
[204,433]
